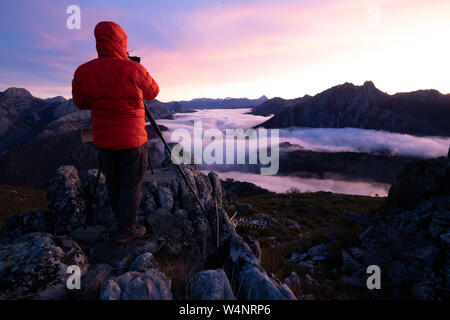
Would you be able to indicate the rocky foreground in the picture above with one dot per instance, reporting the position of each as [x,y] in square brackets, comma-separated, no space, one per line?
[329,240]
[185,255]
[189,255]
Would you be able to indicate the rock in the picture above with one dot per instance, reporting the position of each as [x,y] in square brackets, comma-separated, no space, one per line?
[149,285]
[210,285]
[308,296]
[293,281]
[144,262]
[423,291]
[36,262]
[101,208]
[297,257]
[148,203]
[287,292]
[428,255]
[21,224]
[350,265]
[120,257]
[253,281]
[254,245]
[164,198]
[66,200]
[88,237]
[256,285]
[55,292]
[356,253]
[445,241]
[93,279]
[399,273]
[319,258]
[110,290]
[353,281]
[316,250]
[307,264]
[420,180]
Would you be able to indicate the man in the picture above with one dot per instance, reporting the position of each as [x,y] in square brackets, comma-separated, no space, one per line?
[112,87]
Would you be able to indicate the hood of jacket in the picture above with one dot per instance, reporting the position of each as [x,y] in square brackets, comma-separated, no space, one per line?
[111,40]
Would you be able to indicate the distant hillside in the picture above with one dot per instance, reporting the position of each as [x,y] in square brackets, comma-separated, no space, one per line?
[424,112]
[23,116]
[38,135]
[227,103]
[276,105]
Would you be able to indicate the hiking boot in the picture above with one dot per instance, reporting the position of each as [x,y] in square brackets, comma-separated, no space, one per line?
[127,235]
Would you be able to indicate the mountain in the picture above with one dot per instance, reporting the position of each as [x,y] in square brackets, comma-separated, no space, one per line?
[177,107]
[276,105]
[23,116]
[227,103]
[39,135]
[423,112]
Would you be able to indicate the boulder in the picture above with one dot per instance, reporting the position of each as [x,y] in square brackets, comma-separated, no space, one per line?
[36,262]
[66,200]
[121,256]
[93,279]
[29,222]
[144,262]
[210,285]
[316,250]
[149,285]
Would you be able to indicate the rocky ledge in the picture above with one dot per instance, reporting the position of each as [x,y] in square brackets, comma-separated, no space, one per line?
[185,254]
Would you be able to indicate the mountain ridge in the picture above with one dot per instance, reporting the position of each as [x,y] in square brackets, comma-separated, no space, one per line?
[422,112]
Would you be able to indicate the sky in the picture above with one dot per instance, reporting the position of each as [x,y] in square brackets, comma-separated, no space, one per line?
[235,48]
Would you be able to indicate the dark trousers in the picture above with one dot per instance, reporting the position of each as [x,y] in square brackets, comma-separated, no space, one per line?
[124,171]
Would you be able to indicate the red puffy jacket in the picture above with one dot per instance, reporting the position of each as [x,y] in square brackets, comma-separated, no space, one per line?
[113,87]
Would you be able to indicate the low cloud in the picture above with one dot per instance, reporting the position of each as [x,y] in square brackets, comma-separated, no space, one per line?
[281,184]
[370,141]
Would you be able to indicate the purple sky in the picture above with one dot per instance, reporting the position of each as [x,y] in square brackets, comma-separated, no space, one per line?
[236,48]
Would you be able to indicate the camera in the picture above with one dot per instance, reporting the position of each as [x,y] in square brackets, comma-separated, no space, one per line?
[134,58]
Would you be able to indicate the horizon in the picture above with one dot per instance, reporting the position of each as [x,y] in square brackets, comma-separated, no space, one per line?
[219,49]
[225,98]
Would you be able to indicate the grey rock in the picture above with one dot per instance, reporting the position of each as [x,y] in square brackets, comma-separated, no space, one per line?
[307,264]
[37,261]
[18,225]
[316,250]
[93,279]
[287,292]
[308,296]
[254,245]
[55,292]
[101,208]
[88,237]
[399,273]
[356,253]
[149,285]
[293,281]
[350,265]
[210,285]
[144,262]
[120,257]
[423,291]
[297,257]
[66,199]
[355,282]
[445,241]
